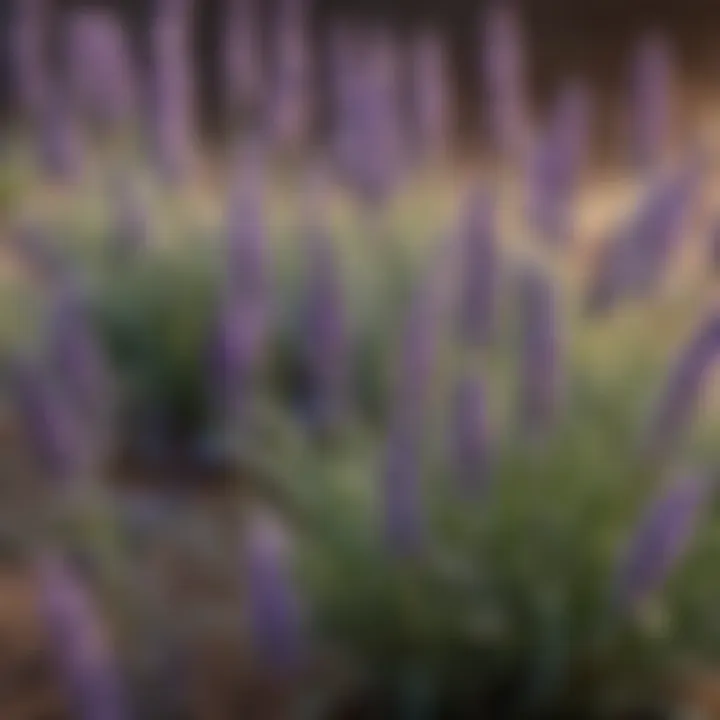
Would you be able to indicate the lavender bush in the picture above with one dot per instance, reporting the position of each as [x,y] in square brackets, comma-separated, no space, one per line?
[455,452]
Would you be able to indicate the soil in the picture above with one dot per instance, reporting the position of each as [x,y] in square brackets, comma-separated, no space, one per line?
[28,690]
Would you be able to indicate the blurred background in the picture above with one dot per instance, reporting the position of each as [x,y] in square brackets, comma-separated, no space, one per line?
[357,359]
[593,39]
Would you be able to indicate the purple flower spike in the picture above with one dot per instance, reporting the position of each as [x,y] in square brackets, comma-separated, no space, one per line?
[102,81]
[660,541]
[236,351]
[272,604]
[430,98]
[683,390]
[243,321]
[27,44]
[79,643]
[344,67]
[242,58]
[289,107]
[374,152]
[403,512]
[612,274]
[479,271]
[557,164]
[540,366]
[56,440]
[503,68]
[77,359]
[247,233]
[420,347]
[325,326]
[636,258]
[60,147]
[470,438]
[714,251]
[651,102]
[658,228]
[172,92]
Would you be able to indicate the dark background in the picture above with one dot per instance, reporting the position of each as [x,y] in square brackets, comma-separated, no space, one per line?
[588,37]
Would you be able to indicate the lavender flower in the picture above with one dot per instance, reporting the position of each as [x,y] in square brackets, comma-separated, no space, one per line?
[503,68]
[236,351]
[79,643]
[636,258]
[60,146]
[273,607]
[683,389]
[77,359]
[403,513]
[289,111]
[27,43]
[375,148]
[540,368]
[101,75]
[57,441]
[242,326]
[327,351]
[657,229]
[173,95]
[420,346]
[345,67]
[242,57]
[557,163]
[247,234]
[479,271]
[651,102]
[714,251]
[612,274]
[470,437]
[430,102]
[660,541]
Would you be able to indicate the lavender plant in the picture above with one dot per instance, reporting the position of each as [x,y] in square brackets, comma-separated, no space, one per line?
[29,59]
[516,605]
[541,371]
[243,322]
[101,78]
[274,612]
[325,335]
[651,102]
[60,148]
[480,271]
[243,67]
[402,477]
[430,100]
[470,439]
[660,540]
[79,643]
[683,390]
[635,260]
[375,148]
[557,164]
[503,72]
[289,107]
[172,89]
[55,437]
